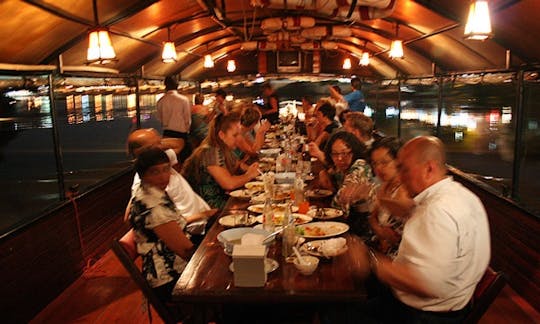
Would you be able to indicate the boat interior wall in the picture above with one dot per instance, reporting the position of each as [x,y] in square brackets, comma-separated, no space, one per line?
[41,260]
[38,32]
[515,238]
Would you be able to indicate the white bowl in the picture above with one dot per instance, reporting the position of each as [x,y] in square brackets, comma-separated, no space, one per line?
[309,266]
[230,237]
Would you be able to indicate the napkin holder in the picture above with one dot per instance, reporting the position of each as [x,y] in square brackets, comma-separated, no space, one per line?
[248,261]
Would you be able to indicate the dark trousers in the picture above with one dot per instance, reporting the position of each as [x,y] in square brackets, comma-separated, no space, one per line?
[187,150]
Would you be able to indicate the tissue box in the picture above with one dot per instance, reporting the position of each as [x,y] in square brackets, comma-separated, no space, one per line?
[248,262]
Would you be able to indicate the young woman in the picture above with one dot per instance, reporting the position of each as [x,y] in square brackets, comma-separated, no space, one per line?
[350,175]
[393,202]
[250,141]
[212,169]
[158,228]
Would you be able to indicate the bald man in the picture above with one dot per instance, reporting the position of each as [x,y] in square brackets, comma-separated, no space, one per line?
[189,204]
[445,248]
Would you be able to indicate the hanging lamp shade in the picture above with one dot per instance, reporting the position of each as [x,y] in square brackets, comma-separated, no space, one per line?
[208,61]
[364,60]
[347,64]
[478,25]
[169,53]
[231,65]
[100,48]
[396,49]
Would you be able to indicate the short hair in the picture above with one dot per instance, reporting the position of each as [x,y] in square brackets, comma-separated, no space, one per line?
[250,116]
[343,115]
[198,98]
[266,86]
[360,122]
[358,148]
[356,83]
[221,92]
[392,144]
[328,110]
[148,158]
[171,83]
[337,88]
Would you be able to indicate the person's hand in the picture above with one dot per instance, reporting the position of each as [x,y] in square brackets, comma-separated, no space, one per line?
[315,151]
[387,234]
[265,126]
[253,170]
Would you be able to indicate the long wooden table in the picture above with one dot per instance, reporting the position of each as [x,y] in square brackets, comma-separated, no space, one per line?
[207,279]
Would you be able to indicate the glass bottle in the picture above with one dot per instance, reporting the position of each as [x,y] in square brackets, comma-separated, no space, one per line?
[288,234]
[268,216]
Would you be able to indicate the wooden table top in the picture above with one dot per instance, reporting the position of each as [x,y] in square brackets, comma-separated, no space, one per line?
[207,277]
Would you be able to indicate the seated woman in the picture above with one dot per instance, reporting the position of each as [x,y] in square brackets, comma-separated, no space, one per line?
[393,202]
[158,228]
[199,120]
[250,141]
[350,175]
[212,169]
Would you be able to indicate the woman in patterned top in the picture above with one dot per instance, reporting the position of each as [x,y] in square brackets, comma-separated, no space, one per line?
[158,228]
[212,169]
[350,175]
[393,202]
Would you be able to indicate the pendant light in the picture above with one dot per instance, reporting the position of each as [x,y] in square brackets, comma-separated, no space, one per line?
[364,61]
[100,48]
[208,61]
[347,64]
[478,25]
[231,65]
[169,50]
[396,48]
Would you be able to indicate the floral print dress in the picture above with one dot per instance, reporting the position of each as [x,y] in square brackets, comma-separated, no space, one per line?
[152,207]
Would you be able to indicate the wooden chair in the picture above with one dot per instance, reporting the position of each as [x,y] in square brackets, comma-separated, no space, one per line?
[485,293]
[126,251]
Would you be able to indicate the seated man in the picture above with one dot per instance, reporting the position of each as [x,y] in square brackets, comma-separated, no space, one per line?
[194,209]
[445,247]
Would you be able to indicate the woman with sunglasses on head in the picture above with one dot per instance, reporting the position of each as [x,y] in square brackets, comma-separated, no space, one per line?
[350,175]
[158,228]
[212,169]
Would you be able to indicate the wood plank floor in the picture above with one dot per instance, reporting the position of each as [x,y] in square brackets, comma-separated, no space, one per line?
[106,294]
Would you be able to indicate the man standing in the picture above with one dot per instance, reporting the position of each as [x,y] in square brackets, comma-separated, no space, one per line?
[445,248]
[174,111]
[356,98]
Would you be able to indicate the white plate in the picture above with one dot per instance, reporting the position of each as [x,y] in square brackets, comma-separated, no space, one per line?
[270,151]
[322,229]
[298,219]
[255,186]
[318,193]
[314,248]
[278,209]
[230,220]
[269,265]
[329,213]
[241,193]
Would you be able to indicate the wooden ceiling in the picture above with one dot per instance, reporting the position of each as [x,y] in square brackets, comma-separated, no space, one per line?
[41,31]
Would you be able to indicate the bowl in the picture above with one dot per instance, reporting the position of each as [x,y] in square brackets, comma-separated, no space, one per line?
[230,237]
[309,266]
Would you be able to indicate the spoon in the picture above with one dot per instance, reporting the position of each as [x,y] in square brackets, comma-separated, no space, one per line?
[269,236]
[297,253]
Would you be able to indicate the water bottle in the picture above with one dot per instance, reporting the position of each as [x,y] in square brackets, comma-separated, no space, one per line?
[288,234]
[268,216]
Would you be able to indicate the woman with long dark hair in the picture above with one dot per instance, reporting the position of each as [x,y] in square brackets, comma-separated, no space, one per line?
[212,169]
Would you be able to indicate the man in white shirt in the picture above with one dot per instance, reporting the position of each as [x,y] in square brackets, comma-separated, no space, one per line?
[190,205]
[445,248]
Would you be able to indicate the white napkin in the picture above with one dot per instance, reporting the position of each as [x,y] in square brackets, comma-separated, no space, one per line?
[333,247]
[252,239]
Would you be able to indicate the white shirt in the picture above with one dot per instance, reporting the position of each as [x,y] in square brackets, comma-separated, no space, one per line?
[174,112]
[447,242]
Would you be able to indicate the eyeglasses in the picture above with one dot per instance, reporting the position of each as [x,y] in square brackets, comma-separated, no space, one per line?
[340,155]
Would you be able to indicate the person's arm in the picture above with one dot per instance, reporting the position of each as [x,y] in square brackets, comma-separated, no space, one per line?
[324,180]
[202,215]
[401,205]
[316,152]
[335,95]
[323,137]
[228,181]
[260,134]
[174,238]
